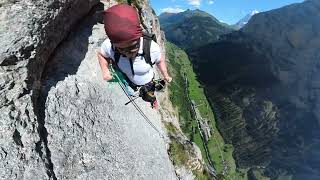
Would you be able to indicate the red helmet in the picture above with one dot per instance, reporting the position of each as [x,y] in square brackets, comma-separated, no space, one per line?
[121,23]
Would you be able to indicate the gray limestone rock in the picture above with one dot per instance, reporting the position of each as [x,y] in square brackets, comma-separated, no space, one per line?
[59,119]
[91,133]
[29,32]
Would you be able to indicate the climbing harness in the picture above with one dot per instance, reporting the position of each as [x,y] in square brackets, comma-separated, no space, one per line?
[134,103]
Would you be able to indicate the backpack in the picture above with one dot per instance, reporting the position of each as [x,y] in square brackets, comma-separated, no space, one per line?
[147,39]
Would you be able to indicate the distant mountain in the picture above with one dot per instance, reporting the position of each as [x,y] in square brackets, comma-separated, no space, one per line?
[263,82]
[245,20]
[192,28]
[166,15]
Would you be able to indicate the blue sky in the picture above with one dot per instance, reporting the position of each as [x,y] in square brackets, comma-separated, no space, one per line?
[228,11]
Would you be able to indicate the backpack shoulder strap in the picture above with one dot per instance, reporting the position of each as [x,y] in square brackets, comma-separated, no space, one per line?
[147,39]
[149,36]
[131,66]
[116,55]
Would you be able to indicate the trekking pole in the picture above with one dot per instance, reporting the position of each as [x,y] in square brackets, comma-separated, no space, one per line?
[131,100]
[135,104]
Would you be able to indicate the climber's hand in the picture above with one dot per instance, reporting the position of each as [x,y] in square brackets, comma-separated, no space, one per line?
[168,79]
[107,76]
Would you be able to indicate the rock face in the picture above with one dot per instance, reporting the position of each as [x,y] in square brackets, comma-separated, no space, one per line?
[89,135]
[30,31]
[263,82]
[150,21]
[59,119]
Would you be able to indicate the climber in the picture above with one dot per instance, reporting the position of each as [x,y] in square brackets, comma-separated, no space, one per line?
[132,51]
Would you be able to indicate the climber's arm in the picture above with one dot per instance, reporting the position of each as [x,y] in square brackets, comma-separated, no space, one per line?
[162,66]
[104,64]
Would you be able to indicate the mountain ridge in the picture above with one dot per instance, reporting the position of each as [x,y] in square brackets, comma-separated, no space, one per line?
[262,81]
[192,28]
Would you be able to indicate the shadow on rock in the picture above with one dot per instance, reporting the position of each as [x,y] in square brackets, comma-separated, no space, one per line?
[65,61]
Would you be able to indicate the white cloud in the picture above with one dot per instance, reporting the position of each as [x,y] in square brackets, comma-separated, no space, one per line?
[194,2]
[171,10]
[210,2]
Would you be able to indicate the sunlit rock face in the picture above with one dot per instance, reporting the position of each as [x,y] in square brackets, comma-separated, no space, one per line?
[58,118]
[29,32]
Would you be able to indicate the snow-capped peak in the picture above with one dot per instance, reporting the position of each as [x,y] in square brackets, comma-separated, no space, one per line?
[254,12]
[246,19]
